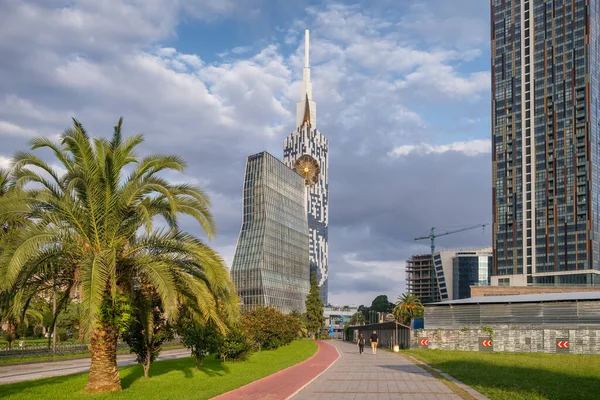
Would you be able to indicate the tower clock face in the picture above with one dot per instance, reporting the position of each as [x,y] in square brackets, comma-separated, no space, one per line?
[308,168]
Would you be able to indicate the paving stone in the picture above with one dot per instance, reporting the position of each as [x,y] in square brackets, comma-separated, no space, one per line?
[384,376]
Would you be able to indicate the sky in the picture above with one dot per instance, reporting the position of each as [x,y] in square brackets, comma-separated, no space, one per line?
[402,90]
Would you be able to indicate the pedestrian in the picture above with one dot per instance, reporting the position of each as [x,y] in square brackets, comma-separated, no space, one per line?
[361,344]
[374,340]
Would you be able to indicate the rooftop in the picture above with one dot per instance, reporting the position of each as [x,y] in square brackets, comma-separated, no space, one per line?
[523,298]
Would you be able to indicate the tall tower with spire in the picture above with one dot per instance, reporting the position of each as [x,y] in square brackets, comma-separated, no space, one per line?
[306,151]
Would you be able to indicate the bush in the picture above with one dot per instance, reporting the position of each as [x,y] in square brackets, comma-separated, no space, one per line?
[234,346]
[148,330]
[268,328]
[201,339]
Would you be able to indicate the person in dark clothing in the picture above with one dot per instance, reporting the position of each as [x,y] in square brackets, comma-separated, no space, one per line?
[374,340]
[361,344]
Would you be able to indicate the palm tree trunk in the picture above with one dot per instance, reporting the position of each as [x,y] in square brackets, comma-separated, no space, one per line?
[104,376]
[147,362]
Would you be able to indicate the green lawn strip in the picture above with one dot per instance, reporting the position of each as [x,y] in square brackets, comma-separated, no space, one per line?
[531,376]
[58,357]
[171,379]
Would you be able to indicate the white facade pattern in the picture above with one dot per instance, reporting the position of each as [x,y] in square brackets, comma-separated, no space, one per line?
[307,140]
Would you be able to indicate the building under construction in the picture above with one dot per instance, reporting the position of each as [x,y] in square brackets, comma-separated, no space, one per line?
[420,280]
[455,272]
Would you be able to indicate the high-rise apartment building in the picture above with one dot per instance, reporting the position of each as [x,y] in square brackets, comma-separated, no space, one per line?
[545,138]
[306,151]
[271,262]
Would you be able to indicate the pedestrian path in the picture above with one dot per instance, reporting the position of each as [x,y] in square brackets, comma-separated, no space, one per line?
[26,372]
[385,375]
[283,384]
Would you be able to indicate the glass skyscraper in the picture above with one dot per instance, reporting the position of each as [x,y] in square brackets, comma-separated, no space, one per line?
[271,262]
[545,134]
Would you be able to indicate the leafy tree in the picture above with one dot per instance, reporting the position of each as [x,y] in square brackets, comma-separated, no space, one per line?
[357,319]
[365,311]
[408,307]
[148,329]
[381,304]
[301,321]
[200,338]
[315,321]
[97,222]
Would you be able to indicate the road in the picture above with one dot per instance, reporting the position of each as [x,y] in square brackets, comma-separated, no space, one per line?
[47,369]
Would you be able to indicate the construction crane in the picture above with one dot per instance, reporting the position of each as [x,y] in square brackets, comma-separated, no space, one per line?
[432,235]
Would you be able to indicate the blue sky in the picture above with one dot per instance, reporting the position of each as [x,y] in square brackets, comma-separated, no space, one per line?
[402,91]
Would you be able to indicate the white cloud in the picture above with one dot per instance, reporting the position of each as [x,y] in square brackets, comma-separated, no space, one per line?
[469,148]
[8,128]
[4,162]
[443,79]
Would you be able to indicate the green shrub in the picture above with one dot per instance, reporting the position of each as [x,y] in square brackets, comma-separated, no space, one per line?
[489,330]
[268,328]
[201,339]
[234,346]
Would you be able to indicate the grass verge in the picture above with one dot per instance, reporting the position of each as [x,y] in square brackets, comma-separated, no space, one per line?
[171,379]
[528,376]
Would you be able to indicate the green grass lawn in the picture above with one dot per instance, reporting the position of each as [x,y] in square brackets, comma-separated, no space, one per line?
[503,376]
[172,379]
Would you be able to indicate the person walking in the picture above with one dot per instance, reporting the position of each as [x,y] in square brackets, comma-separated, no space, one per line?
[374,340]
[361,344]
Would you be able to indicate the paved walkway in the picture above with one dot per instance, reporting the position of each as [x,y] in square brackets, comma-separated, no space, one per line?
[382,376]
[27,372]
[281,385]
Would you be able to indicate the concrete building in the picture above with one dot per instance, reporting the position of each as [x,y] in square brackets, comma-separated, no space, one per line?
[306,151]
[455,272]
[420,278]
[271,262]
[545,135]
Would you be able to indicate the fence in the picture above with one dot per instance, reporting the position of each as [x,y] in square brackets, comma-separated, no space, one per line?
[40,350]
[550,315]
[388,334]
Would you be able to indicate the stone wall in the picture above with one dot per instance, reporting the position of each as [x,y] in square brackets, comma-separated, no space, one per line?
[510,339]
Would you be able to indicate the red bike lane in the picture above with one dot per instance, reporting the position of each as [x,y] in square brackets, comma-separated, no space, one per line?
[284,383]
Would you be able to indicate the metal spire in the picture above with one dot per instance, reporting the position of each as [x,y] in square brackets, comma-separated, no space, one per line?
[306,102]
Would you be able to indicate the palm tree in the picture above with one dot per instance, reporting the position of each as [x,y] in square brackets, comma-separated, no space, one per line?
[407,308]
[97,222]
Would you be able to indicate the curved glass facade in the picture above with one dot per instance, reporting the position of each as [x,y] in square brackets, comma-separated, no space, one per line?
[271,262]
